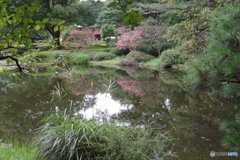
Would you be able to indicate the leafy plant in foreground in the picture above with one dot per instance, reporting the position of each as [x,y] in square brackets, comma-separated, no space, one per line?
[64,137]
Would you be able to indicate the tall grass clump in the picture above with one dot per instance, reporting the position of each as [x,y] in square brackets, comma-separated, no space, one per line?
[138,56]
[17,151]
[64,137]
[80,59]
[100,56]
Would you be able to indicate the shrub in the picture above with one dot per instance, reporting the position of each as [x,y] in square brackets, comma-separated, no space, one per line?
[138,56]
[148,50]
[80,59]
[107,32]
[128,63]
[63,137]
[171,57]
[120,52]
[100,56]
[78,38]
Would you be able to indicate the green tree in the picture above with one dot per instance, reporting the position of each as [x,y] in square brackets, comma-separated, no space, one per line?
[110,16]
[15,28]
[94,8]
[221,60]
[129,16]
[69,12]
[232,132]
[108,31]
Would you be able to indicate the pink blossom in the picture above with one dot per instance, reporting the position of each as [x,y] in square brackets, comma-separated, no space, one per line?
[81,37]
[131,39]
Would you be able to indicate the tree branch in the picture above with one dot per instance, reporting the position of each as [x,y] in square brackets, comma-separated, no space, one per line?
[16,60]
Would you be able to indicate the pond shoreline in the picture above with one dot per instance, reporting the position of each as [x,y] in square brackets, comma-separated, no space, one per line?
[140,65]
[4,63]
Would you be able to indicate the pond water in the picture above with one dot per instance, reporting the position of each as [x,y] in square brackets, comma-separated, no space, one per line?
[123,96]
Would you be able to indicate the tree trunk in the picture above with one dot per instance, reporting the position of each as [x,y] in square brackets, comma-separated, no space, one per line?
[55,35]
[56,38]
[16,60]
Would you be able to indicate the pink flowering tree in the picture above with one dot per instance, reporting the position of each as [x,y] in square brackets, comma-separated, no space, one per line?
[148,34]
[131,39]
[78,38]
[132,86]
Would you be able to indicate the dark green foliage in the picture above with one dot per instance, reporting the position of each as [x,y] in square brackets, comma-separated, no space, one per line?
[38,35]
[221,63]
[120,52]
[108,31]
[232,133]
[147,50]
[109,16]
[95,7]
[224,43]
[138,56]
[100,56]
[171,57]
[63,137]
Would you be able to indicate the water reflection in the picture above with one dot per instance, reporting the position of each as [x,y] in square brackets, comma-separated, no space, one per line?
[104,108]
[136,97]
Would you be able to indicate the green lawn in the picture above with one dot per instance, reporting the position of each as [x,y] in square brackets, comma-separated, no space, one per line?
[17,152]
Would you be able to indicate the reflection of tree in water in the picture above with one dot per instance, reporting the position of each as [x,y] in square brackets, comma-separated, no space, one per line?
[193,118]
[83,85]
[26,99]
[23,99]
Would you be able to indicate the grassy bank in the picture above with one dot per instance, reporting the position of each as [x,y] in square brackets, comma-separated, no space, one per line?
[64,137]
[17,151]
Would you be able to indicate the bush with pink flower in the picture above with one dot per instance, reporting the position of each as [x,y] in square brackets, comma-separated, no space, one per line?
[79,38]
[131,39]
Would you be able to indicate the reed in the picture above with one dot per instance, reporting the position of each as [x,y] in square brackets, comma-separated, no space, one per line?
[65,137]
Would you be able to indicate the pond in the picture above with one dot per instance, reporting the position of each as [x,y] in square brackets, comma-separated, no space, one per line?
[122,96]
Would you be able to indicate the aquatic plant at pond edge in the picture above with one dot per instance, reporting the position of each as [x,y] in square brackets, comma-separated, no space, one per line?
[58,91]
[68,74]
[110,86]
[64,137]
[80,59]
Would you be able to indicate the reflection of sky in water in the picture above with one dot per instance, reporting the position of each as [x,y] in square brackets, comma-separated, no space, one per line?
[104,108]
